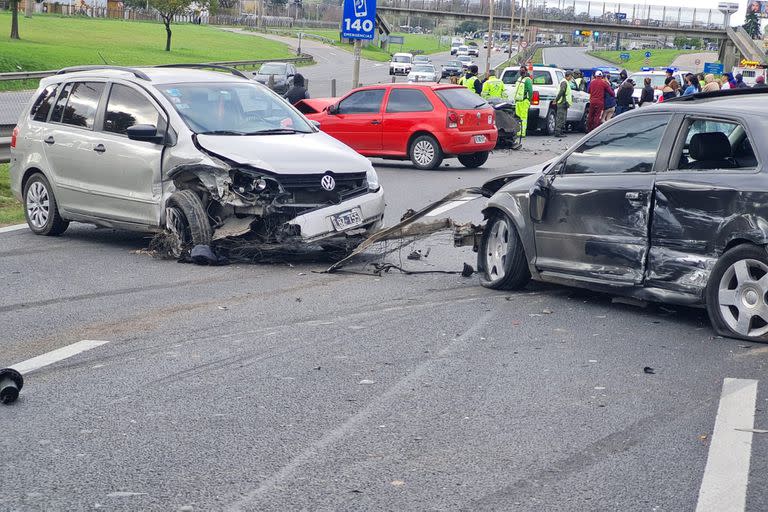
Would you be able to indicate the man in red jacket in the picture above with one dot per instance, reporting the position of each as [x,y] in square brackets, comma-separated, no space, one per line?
[598,88]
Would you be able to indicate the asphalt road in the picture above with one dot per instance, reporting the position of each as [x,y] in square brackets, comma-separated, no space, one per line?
[273,387]
[572,57]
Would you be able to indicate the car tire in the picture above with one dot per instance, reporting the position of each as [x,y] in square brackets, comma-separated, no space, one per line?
[425,152]
[501,260]
[584,120]
[551,123]
[474,160]
[40,208]
[187,220]
[736,300]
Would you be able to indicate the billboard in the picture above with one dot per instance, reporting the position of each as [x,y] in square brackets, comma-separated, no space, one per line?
[759,7]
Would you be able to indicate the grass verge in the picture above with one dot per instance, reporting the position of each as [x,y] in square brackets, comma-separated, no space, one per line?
[10,209]
[637,58]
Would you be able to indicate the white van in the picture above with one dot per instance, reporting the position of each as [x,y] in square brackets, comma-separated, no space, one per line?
[401,64]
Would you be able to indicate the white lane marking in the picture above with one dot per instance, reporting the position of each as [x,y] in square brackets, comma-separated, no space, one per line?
[450,206]
[724,486]
[57,355]
[15,227]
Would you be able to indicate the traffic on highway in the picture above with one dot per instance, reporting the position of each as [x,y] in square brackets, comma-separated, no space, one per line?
[467,282]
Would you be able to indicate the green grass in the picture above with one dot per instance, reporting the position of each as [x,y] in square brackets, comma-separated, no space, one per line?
[10,209]
[637,58]
[53,42]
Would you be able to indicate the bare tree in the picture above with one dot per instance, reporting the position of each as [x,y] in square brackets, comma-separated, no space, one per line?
[169,9]
[15,19]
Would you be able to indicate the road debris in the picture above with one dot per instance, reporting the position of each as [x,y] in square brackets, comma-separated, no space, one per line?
[649,370]
[366,382]
[11,383]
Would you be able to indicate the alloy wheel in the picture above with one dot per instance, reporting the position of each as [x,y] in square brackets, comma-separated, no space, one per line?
[424,152]
[742,297]
[497,249]
[38,205]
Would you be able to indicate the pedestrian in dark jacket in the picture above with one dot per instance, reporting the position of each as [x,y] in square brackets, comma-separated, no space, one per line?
[624,99]
[297,92]
[648,96]
[740,84]
[759,83]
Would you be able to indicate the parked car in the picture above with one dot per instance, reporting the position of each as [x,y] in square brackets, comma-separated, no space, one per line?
[543,110]
[201,154]
[401,64]
[282,74]
[421,59]
[425,123]
[451,68]
[668,204]
[423,73]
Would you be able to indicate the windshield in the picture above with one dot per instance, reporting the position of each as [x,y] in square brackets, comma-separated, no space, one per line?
[401,58]
[461,99]
[233,109]
[656,80]
[465,58]
[424,69]
[463,48]
[510,77]
[454,64]
[272,69]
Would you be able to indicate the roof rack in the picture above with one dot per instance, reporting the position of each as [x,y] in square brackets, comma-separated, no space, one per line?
[205,66]
[723,93]
[74,69]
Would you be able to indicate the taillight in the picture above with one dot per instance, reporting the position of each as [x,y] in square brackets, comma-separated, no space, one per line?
[535,100]
[14,136]
[453,119]
[661,99]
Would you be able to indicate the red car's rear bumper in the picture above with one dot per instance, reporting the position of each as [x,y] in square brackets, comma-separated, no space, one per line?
[458,143]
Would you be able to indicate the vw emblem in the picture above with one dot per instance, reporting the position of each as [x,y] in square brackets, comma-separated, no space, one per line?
[328,182]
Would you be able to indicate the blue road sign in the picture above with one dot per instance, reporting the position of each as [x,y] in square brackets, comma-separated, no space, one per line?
[713,68]
[624,56]
[359,21]
[621,15]
[647,55]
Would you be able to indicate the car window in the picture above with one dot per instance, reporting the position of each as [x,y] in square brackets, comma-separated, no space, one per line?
[61,102]
[82,104]
[362,102]
[714,144]
[272,69]
[424,68]
[510,76]
[43,103]
[461,99]
[560,76]
[629,145]
[408,100]
[542,78]
[127,107]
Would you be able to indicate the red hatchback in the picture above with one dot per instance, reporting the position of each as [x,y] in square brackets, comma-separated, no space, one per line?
[423,122]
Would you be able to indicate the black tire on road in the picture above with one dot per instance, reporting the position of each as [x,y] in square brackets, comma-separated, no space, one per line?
[551,123]
[474,160]
[736,299]
[584,119]
[40,208]
[190,220]
[501,260]
[425,152]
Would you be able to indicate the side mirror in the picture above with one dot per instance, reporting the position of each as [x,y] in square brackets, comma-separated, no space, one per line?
[145,133]
[539,196]
[333,109]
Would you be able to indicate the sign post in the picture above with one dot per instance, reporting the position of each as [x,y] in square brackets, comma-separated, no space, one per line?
[358,23]
[647,58]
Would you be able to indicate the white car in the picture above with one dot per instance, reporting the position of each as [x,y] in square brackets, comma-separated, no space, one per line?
[657,77]
[423,73]
[462,51]
[465,60]
[401,64]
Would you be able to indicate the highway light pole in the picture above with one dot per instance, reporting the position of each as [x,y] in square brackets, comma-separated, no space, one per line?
[490,37]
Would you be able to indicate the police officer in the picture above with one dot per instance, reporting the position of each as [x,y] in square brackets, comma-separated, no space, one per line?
[470,80]
[578,79]
[563,100]
[493,87]
[523,97]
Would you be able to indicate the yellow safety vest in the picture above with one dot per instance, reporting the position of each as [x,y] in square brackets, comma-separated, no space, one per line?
[469,83]
[568,92]
[520,89]
[493,88]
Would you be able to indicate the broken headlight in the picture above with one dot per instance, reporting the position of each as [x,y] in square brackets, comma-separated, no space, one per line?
[373,179]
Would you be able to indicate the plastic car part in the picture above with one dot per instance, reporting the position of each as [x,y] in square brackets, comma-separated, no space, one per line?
[11,383]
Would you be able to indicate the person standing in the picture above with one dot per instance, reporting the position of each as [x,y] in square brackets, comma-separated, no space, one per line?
[470,80]
[740,83]
[710,84]
[692,85]
[624,99]
[598,88]
[578,79]
[648,96]
[298,91]
[523,97]
[760,83]
[563,100]
[493,87]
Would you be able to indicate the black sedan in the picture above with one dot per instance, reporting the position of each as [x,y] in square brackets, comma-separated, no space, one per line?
[452,68]
[280,74]
[667,203]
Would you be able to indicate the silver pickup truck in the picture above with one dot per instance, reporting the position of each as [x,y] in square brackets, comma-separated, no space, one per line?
[546,82]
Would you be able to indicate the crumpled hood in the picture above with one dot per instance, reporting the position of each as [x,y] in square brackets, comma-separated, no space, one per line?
[311,153]
[493,185]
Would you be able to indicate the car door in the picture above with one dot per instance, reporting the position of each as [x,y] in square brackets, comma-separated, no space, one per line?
[71,148]
[711,194]
[406,109]
[595,225]
[128,171]
[357,120]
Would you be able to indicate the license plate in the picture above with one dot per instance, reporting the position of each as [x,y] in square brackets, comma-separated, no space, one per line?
[480,139]
[348,219]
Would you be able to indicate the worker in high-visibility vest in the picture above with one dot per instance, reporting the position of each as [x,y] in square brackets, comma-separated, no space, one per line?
[563,100]
[523,97]
[493,87]
[470,80]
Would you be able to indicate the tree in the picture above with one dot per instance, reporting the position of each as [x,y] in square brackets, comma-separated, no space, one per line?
[15,19]
[134,4]
[169,9]
[467,27]
[752,25]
